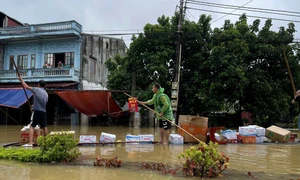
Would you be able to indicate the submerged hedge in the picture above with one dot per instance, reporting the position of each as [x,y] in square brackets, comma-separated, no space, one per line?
[56,148]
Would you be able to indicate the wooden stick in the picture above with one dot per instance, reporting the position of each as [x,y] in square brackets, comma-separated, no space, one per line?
[165,119]
[289,71]
[22,84]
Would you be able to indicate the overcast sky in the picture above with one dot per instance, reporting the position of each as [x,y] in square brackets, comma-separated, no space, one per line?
[131,15]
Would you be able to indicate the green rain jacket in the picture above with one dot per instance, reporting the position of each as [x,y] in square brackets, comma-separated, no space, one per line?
[162,103]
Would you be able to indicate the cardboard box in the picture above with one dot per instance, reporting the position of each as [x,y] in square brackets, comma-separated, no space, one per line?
[278,134]
[87,139]
[260,131]
[198,121]
[25,136]
[260,139]
[147,138]
[229,134]
[106,137]
[248,139]
[247,130]
[175,139]
[132,138]
[196,131]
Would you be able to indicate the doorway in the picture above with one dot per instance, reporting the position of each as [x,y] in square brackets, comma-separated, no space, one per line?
[59,57]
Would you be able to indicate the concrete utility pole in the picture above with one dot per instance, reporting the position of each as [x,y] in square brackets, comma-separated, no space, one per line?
[176,80]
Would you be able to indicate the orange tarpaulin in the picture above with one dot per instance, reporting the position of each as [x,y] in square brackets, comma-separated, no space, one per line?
[91,103]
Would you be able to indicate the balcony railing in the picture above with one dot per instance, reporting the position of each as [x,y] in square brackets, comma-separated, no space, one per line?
[39,28]
[61,74]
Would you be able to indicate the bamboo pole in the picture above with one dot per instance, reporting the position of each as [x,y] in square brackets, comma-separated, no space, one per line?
[289,70]
[165,118]
[22,84]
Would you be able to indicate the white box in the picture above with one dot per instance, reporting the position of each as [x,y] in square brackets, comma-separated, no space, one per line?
[229,134]
[260,139]
[176,139]
[132,138]
[247,130]
[260,131]
[87,139]
[106,137]
[146,138]
[217,136]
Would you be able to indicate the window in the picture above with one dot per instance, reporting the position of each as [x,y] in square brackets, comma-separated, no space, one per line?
[49,59]
[92,67]
[69,58]
[11,65]
[106,45]
[32,61]
[22,61]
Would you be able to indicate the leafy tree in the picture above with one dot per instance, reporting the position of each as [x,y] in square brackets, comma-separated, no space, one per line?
[237,66]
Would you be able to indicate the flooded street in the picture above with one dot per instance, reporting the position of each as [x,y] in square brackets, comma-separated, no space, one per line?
[264,161]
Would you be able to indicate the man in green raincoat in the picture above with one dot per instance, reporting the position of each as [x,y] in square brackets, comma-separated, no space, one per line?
[162,106]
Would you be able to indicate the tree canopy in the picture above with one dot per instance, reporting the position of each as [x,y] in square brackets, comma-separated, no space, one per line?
[237,66]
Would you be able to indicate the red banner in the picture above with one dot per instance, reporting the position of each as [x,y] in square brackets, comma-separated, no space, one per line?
[133,105]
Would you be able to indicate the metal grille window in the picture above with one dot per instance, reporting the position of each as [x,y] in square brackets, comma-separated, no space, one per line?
[22,61]
[69,58]
[49,59]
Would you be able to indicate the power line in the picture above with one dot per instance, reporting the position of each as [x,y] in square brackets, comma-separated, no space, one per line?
[232,11]
[261,17]
[273,10]
[113,30]
[245,9]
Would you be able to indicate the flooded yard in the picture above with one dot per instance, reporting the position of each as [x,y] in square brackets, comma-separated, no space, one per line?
[264,161]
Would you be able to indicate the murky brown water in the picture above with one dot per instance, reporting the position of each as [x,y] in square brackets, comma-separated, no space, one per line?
[265,161]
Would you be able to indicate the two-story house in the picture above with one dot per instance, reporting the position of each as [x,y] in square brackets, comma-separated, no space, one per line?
[58,53]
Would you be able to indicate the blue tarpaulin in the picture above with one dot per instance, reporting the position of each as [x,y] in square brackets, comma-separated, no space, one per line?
[13,98]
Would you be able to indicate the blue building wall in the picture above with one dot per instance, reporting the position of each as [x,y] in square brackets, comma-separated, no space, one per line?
[40,47]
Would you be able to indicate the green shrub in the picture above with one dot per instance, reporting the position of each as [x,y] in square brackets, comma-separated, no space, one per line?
[52,148]
[203,160]
[58,148]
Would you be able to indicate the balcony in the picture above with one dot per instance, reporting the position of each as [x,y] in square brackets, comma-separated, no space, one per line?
[58,28]
[34,75]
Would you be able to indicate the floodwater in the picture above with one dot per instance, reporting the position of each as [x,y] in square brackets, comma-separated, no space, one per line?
[264,161]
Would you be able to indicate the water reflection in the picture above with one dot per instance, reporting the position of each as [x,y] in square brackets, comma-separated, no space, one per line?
[266,161]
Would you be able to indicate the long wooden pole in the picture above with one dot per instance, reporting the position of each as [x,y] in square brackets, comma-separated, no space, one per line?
[165,118]
[22,84]
[289,70]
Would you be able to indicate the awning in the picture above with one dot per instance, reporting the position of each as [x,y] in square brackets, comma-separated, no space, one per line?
[91,103]
[13,97]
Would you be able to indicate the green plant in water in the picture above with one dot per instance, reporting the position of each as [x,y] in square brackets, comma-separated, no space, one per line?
[203,160]
[56,148]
